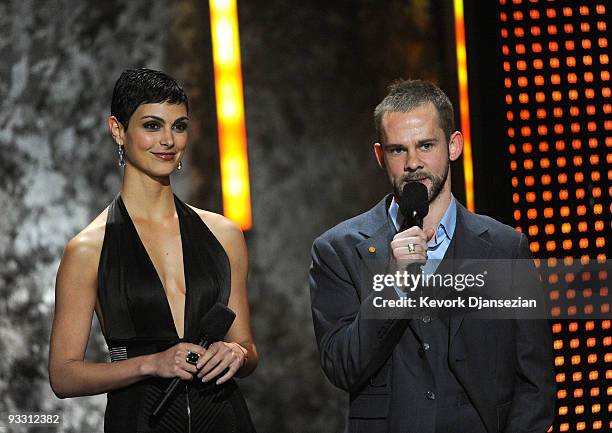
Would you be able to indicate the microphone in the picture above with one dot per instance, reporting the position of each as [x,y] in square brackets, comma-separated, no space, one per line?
[213,327]
[414,206]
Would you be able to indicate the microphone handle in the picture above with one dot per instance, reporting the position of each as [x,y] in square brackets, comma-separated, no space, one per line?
[413,268]
[174,383]
[411,221]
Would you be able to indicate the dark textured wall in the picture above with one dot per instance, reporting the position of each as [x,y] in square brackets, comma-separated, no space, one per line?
[313,72]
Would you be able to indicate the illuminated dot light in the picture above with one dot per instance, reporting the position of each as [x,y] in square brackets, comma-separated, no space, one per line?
[556,85]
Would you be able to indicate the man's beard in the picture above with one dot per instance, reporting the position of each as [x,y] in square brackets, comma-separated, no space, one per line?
[437,183]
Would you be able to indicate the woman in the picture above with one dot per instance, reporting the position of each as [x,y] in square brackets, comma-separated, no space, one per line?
[151,266]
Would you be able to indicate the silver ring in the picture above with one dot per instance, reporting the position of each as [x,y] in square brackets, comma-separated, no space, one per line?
[411,248]
[192,357]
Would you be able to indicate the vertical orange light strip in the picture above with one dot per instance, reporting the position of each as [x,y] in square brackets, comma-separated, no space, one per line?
[230,112]
[464,105]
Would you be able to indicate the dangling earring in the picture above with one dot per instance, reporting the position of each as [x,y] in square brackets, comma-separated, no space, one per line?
[121,157]
[180,165]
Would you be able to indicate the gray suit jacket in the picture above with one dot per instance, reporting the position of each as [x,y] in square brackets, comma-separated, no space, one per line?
[505,366]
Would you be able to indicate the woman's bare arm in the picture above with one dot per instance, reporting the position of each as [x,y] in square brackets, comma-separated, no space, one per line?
[231,238]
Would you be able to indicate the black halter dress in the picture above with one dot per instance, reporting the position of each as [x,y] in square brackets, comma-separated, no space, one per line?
[138,321]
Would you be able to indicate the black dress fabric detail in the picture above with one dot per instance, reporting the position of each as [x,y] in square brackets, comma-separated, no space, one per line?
[137,320]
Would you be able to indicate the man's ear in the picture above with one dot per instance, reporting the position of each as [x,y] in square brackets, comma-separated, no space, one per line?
[379,153]
[455,146]
[116,130]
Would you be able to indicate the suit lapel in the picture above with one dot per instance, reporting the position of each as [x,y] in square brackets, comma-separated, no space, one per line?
[470,243]
[377,232]
[374,250]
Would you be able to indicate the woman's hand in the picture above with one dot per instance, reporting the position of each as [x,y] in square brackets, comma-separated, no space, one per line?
[221,356]
[173,361]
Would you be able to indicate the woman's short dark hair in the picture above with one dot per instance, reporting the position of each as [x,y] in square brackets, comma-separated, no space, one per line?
[144,86]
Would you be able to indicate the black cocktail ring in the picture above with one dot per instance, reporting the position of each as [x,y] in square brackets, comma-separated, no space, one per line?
[192,357]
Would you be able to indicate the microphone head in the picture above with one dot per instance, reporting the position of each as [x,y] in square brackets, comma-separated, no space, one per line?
[216,322]
[414,199]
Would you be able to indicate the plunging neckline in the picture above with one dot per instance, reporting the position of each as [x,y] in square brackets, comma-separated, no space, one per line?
[158,278]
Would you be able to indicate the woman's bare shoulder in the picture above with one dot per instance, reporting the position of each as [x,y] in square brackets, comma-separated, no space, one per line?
[87,244]
[225,230]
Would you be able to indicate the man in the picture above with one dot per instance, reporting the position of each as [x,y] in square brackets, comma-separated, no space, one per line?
[431,373]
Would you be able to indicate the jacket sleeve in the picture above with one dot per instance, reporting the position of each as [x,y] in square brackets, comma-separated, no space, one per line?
[533,403]
[353,346]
